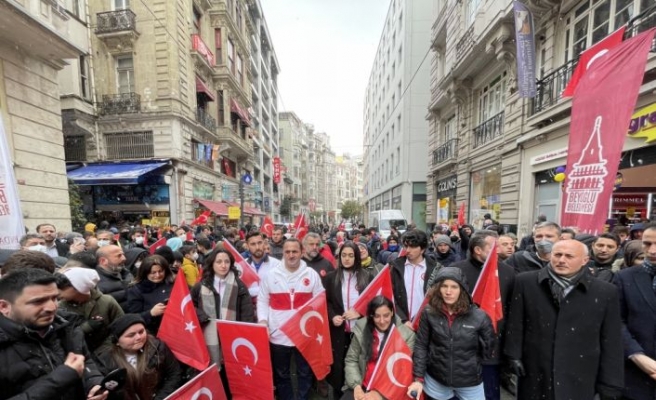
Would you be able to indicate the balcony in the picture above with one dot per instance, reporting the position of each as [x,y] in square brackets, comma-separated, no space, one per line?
[550,87]
[488,131]
[203,57]
[445,153]
[238,146]
[464,45]
[641,23]
[124,103]
[117,29]
[206,120]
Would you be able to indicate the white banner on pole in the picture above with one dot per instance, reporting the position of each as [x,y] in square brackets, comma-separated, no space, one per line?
[11,216]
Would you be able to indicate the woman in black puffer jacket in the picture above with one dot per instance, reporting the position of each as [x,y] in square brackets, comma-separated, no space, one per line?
[453,338]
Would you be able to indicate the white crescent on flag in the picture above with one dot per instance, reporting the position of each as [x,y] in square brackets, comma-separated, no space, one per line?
[390,366]
[184,302]
[306,317]
[246,343]
[200,392]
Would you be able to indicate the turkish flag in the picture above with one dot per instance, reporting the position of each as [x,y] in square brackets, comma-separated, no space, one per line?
[267,227]
[601,113]
[461,214]
[248,275]
[207,383]
[201,219]
[308,330]
[327,253]
[487,293]
[300,226]
[589,56]
[159,243]
[417,319]
[393,371]
[190,236]
[247,359]
[342,226]
[180,329]
[159,233]
[382,284]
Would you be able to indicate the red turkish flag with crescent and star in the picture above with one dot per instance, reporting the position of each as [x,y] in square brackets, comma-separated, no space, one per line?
[180,329]
[248,274]
[207,383]
[487,292]
[267,227]
[461,214]
[382,284]
[159,243]
[308,330]
[301,226]
[245,348]
[393,371]
[201,219]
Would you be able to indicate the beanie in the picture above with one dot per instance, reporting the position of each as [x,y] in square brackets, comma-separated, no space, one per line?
[82,279]
[443,239]
[122,324]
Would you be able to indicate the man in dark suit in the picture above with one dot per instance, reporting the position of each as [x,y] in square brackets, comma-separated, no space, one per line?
[638,311]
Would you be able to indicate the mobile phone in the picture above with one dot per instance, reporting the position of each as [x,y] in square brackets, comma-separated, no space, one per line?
[166,301]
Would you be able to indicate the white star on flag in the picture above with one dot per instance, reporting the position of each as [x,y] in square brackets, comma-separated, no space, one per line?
[320,339]
[247,371]
[189,326]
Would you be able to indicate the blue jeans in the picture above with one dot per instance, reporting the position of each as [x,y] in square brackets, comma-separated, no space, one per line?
[439,391]
[281,357]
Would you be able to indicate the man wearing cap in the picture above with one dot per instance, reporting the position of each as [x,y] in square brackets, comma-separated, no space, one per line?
[43,356]
[78,295]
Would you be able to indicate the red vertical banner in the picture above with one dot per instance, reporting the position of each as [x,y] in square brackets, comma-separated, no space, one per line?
[276,170]
[601,111]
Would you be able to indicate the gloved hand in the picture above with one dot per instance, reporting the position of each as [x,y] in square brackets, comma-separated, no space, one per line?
[517,367]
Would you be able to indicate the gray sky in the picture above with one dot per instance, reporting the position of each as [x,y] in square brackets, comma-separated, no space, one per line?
[326,49]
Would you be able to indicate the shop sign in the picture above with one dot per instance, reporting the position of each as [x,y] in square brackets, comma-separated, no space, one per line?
[267,204]
[630,200]
[234,212]
[131,194]
[643,123]
[276,170]
[160,218]
[443,210]
[203,190]
[552,155]
[450,183]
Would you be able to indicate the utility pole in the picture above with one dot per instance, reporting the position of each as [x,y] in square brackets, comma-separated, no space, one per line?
[241,201]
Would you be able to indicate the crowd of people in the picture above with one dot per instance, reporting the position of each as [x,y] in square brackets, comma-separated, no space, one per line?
[578,310]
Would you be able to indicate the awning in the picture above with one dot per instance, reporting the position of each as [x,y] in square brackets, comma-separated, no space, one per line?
[201,87]
[243,115]
[216,207]
[113,174]
[253,211]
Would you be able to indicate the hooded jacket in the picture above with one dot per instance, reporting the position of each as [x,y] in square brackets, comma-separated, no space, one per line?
[131,256]
[33,366]
[453,355]
[115,285]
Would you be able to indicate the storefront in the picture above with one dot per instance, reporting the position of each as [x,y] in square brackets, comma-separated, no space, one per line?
[130,192]
[445,190]
[485,195]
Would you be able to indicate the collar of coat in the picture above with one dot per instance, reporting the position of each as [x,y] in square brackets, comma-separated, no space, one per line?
[585,281]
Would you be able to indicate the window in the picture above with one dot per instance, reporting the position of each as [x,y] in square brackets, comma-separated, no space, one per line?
[238,16]
[218,46]
[221,106]
[125,74]
[196,17]
[450,130]
[84,78]
[593,20]
[129,145]
[231,57]
[472,7]
[398,160]
[492,99]
[75,148]
[121,4]
[75,7]
[202,153]
[240,73]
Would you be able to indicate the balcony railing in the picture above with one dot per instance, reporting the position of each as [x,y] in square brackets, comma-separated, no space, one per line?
[206,120]
[465,44]
[116,21]
[75,148]
[201,48]
[488,130]
[124,103]
[129,145]
[550,87]
[641,23]
[445,152]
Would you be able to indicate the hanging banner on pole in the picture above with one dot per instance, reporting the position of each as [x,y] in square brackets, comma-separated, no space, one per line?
[525,40]
[601,110]
[276,170]
[11,216]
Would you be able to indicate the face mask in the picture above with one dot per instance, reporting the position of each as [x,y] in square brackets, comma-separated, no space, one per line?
[102,243]
[544,246]
[195,256]
[137,264]
[139,240]
[38,247]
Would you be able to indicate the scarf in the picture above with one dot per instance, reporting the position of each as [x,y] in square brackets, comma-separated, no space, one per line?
[561,286]
[651,270]
[227,311]
[366,262]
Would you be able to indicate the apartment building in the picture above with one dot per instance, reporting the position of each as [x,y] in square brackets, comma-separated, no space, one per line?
[348,171]
[497,152]
[38,41]
[395,130]
[172,89]
[264,69]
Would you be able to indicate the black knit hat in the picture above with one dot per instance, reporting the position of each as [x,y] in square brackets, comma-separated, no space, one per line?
[122,324]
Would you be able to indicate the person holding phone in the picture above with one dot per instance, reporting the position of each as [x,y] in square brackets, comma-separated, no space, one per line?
[152,370]
[148,293]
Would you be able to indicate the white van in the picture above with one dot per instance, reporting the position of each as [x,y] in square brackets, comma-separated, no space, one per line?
[383,220]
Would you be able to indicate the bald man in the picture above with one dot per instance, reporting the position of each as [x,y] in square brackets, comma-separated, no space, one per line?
[564,330]
[114,277]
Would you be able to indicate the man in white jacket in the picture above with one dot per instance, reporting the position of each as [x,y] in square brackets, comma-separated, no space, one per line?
[284,290]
